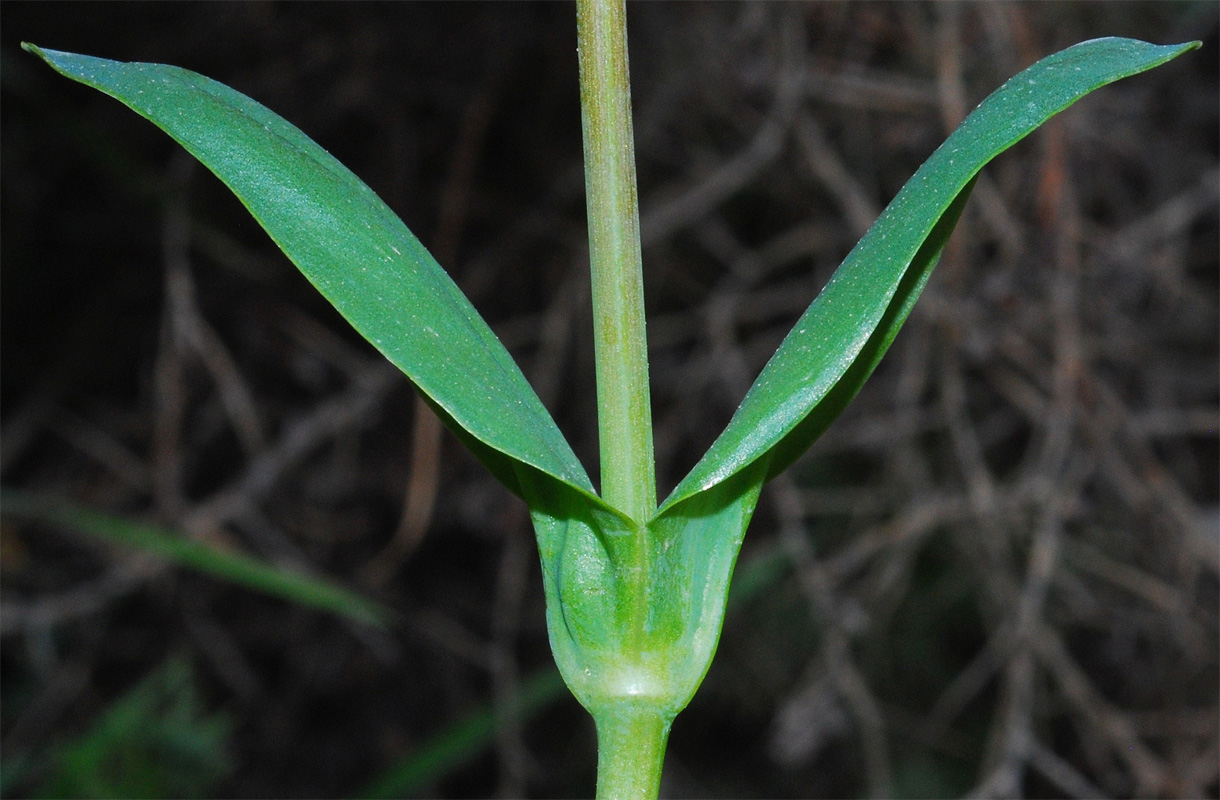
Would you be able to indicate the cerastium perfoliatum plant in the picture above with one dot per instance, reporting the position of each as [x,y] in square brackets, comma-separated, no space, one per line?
[635,590]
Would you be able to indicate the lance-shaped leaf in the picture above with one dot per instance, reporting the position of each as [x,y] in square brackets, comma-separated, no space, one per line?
[839,340]
[358,253]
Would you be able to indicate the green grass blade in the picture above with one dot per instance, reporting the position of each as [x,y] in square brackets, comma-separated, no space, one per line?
[230,566]
[155,741]
[836,343]
[461,741]
[356,251]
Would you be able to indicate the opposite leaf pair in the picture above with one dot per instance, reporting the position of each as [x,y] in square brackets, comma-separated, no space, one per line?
[634,606]
[362,258]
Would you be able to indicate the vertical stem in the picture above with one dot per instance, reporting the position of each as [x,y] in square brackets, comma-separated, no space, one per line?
[630,752]
[631,735]
[624,419]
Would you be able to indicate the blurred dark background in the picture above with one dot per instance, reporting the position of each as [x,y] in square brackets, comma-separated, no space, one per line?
[995,575]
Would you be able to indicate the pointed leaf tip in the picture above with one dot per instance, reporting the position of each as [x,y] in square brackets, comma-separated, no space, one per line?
[358,254]
[839,340]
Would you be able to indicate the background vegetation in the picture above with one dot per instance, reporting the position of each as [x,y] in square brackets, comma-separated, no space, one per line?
[996,575]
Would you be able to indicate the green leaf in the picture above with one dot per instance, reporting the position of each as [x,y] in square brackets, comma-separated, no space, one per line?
[230,566]
[839,340]
[357,252]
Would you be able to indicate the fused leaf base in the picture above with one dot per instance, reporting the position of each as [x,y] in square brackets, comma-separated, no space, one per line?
[635,612]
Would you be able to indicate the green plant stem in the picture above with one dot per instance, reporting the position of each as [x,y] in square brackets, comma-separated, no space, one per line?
[624,408]
[631,733]
[630,751]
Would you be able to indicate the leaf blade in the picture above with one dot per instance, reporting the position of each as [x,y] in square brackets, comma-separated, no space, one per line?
[851,318]
[356,251]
